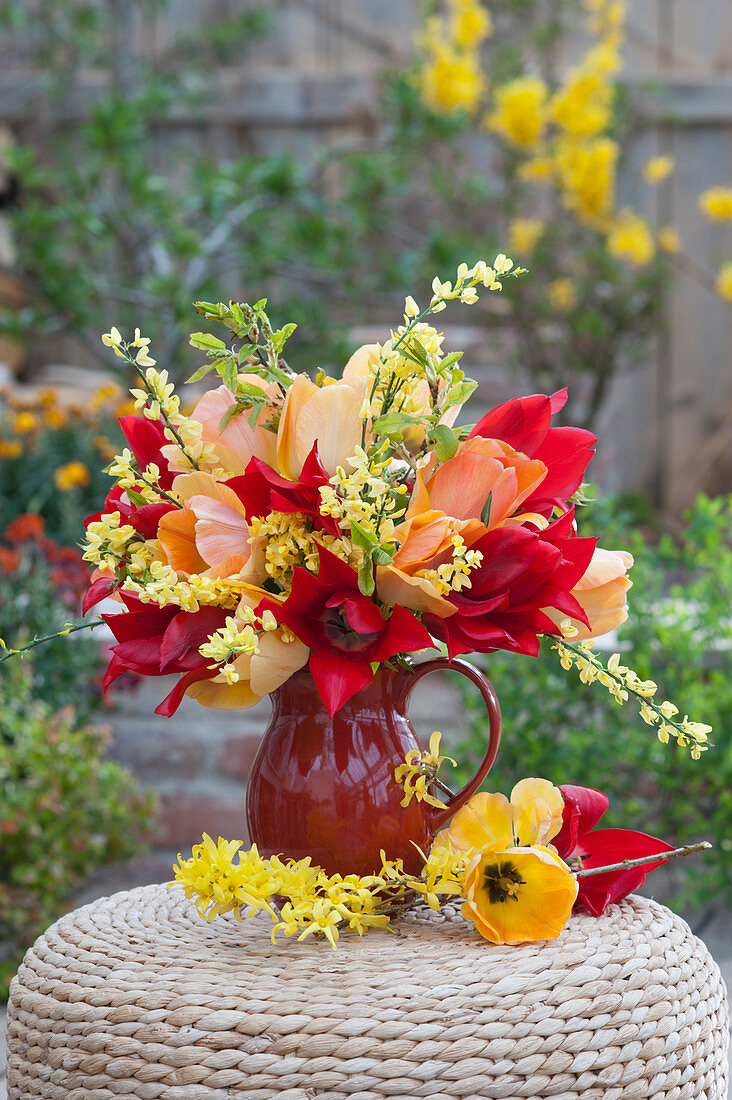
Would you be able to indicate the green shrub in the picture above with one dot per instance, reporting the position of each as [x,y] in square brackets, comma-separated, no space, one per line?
[679,633]
[41,587]
[65,810]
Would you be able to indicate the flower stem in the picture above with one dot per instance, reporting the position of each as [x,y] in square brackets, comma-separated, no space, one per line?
[8,653]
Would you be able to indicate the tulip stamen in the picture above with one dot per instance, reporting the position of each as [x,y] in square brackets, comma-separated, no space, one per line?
[502,881]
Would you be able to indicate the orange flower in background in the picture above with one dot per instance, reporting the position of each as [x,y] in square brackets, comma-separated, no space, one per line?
[9,560]
[71,476]
[10,448]
[602,593]
[519,895]
[54,418]
[27,527]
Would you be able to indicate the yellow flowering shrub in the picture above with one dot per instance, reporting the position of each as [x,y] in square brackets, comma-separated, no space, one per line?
[630,239]
[519,114]
[716,204]
[524,234]
[724,281]
[586,173]
[558,130]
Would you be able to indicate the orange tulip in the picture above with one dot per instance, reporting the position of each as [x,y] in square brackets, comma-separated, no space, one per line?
[519,895]
[210,534]
[481,468]
[602,592]
[425,542]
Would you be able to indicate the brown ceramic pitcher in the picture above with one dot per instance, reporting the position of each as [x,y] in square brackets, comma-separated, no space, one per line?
[324,787]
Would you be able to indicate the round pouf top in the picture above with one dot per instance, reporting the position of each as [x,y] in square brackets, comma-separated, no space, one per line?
[135,996]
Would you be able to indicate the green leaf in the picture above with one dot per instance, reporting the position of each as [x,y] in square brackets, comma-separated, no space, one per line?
[458,395]
[365,540]
[445,442]
[228,372]
[205,341]
[280,338]
[233,410]
[384,555]
[136,498]
[392,423]
[413,349]
[366,577]
[201,372]
[485,514]
[448,361]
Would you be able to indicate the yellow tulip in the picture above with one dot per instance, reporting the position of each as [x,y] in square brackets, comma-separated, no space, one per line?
[519,895]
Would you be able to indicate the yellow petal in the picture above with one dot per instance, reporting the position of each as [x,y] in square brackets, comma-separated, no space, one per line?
[537,806]
[485,820]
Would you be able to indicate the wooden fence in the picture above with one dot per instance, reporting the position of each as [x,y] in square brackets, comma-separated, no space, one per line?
[313,78]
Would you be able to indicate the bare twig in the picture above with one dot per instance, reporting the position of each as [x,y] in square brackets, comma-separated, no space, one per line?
[627,864]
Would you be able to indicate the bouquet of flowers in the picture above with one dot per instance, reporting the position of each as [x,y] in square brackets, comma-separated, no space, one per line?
[341,525]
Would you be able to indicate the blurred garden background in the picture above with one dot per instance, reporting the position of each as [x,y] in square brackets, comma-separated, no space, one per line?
[335,155]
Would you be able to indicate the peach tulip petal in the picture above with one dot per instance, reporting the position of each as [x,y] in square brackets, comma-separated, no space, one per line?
[199,483]
[605,566]
[301,390]
[275,662]
[177,537]
[397,588]
[331,418]
[239,442]
[422,539]
[221,529]
[602,593]
[360,366]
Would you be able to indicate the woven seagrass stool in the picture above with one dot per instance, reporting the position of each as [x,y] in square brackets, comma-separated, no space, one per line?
[135,996]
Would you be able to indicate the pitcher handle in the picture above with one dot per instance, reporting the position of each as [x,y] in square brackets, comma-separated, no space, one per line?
[439,664]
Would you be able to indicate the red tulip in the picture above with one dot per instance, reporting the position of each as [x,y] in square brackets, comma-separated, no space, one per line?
[523,572]
[525,423]
[262,490]
[145,438]
[157,641]
[344,629]
[578,839]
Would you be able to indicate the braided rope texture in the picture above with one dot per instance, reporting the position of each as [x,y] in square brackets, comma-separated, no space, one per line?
[135,996]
